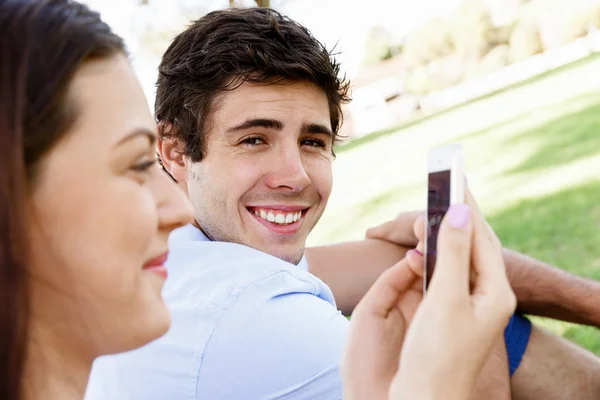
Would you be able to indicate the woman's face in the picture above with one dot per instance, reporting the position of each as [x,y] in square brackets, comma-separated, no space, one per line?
[101,213]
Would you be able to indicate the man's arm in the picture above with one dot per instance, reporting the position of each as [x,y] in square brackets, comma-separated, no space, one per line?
[551,292]
[554,368]
[351,268]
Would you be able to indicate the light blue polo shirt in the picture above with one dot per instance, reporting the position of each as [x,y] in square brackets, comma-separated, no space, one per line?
[245,325]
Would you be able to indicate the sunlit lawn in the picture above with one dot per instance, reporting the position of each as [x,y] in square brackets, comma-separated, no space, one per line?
[533,163]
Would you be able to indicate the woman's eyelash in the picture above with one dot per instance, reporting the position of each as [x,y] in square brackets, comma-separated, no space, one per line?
[144,166]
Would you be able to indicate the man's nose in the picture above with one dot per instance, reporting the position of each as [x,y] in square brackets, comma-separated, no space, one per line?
[287,171]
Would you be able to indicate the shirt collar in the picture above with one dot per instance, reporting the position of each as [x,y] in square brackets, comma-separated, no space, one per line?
[190,233]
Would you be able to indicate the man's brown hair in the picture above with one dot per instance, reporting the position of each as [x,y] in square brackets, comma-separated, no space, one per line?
[226,48]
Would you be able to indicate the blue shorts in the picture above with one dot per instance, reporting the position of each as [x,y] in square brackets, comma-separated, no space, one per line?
[516,337]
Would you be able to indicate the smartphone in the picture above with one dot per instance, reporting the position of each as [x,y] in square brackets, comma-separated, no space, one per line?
[445,187]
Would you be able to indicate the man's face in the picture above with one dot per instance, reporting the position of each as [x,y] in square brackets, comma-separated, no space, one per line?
[266,176]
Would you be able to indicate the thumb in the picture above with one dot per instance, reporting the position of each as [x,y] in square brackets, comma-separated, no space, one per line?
[454,253]
[387,289]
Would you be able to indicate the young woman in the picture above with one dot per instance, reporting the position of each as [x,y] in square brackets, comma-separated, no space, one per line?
[85,209]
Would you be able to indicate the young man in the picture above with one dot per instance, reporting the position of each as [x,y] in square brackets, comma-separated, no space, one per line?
[249,106]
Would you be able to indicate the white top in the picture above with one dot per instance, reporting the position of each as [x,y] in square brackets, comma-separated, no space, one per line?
[246,325]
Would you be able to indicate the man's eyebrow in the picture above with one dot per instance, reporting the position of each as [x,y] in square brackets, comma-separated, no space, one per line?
[258,123]
[316,128]
[152,137]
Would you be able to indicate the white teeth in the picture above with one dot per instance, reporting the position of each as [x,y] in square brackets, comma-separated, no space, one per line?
[281,219]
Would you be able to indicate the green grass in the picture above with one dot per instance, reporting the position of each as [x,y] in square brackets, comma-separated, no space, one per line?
[562,140]
[562,228]
[533,162]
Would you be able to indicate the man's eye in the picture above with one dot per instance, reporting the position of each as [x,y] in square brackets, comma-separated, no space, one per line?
[253,141]
[314,143]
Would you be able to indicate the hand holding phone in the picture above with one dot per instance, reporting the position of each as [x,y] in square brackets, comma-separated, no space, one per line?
[445,187]
[456,325]
[401,347]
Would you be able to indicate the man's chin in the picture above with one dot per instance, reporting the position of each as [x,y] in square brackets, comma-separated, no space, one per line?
[293,256]
[293,259]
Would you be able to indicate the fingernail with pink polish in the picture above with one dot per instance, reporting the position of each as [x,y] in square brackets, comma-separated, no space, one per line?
[458,215]
[418,252]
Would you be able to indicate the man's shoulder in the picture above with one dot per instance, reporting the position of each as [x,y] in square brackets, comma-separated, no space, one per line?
[218,273]
[214,283]
[207,283]
[217,290]
[278,324]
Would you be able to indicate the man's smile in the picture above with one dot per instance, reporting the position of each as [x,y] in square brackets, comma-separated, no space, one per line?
[281,219]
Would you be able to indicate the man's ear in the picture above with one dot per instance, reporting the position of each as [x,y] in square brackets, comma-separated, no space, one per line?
[172,154]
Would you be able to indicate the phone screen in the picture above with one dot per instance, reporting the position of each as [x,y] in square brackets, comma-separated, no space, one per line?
[438,202]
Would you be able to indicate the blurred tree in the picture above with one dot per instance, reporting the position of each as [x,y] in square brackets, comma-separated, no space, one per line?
[525,40]
[493,61]
[500,35]
[472,29]
[429,41]
[504,12]
[380,45]
[560,22]
[259,3]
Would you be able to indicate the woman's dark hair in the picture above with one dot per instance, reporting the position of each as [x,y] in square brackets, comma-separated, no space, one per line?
[226,48]
[42,45]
